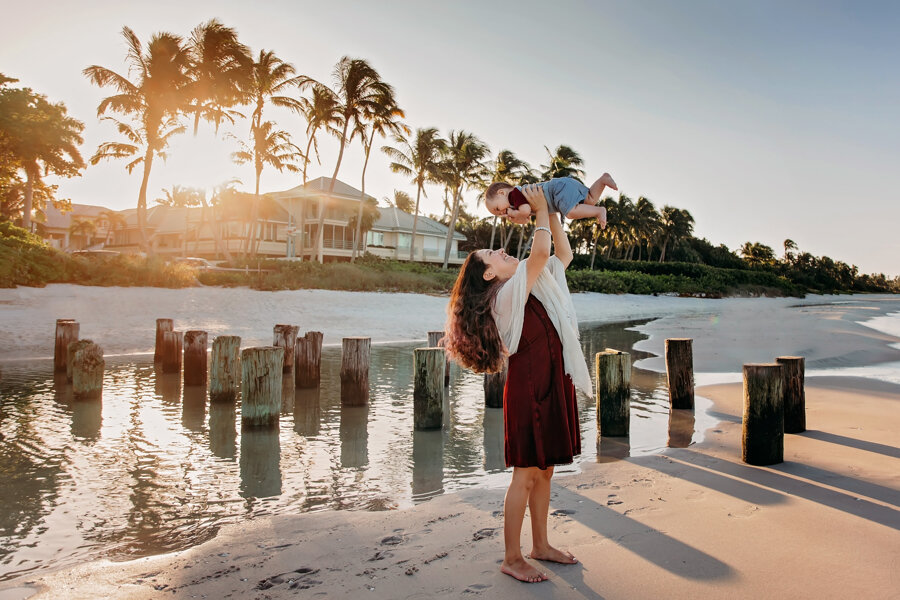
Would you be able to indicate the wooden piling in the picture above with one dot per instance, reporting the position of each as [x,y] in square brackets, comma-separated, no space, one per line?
[162,326]
[285,336]
[355,371]
[428,389]
[493,387]
[308,360]
[762,442]
[680,372]
[66,333]
[613,369]
[434,341]
[171,351]
[262,370]
[794,393]
[195,357]
[225,369]
[87,373]
[71,349]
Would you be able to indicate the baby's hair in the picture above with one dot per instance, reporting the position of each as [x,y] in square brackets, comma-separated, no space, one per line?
[496,187]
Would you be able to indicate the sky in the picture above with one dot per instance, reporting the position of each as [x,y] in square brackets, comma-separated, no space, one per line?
[766,120]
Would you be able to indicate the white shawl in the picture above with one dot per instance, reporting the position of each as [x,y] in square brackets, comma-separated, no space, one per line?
[553,292]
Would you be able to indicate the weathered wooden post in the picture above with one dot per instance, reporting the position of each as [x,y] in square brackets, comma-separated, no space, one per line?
[355,370]
[162,326]
[171,351]
[225,365]
[428,390]
[434,341]
[285,336]
[493,387]
[71,349]
[262,370]
[195,357]
[613,369]
[794,393]
[763,423]
[308,359]
[66,333]
[87,373]
[680,372]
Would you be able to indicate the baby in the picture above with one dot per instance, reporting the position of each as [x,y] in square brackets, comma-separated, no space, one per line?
[565,195]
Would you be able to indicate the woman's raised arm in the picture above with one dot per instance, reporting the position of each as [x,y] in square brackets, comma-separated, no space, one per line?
[561,247]
[540,246]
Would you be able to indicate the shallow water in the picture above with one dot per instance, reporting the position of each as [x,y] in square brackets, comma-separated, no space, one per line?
[156,468]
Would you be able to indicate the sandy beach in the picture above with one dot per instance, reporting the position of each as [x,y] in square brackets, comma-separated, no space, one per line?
[681,524]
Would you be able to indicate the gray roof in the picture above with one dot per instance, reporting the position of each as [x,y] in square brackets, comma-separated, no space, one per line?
[394,219]
[60,220]
[319,187]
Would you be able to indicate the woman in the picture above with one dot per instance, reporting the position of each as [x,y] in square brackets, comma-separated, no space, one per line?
[502,307]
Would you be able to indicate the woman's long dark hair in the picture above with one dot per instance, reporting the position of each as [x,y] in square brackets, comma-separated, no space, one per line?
[471,337]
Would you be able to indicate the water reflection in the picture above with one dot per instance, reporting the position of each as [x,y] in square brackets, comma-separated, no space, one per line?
[428,463]
[307,411]
[354,436]
[260,462]
[143,472]
[222,429]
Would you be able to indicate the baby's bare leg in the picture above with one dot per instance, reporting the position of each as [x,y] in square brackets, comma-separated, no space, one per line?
[605,181]
[586,211]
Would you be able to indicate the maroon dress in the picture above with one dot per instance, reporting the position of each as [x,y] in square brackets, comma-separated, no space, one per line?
[540,415]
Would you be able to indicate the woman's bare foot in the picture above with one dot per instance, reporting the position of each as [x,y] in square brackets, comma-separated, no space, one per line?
[552,554]
[523,571]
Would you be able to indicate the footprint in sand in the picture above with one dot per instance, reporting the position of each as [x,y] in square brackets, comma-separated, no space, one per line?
[392,540]
[562,512]
[484,533]
[745,513]
[476,588]
[297,579]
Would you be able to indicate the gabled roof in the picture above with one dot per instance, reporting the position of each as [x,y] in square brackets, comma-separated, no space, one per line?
[59,220]
[394,219]
[319,187]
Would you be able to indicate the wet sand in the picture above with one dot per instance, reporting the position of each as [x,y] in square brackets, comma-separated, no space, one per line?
[692,522]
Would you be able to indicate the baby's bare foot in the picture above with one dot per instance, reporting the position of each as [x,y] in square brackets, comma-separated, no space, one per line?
[608,181]
[552,554]
[523,571]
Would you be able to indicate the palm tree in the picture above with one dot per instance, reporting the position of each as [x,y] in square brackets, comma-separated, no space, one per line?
[646,224]
[154,102]
[363,222]
[267,80]
[676,224]
[419,160]
[789,245]
[563,162]
[38,137]
[85,228]
[114,220]
[360,91]
[219,66]
[270,147]
[322,110]
[400,200]
[382,120]
[180,197]
[464,166]
[757,254]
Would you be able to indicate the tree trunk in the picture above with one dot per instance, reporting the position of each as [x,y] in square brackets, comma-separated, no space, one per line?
[362,200]
[320,234]
[428,389]
[493,231]
[680,372]
[762,442]
[217,234]
[662,253]
[29,196]
[412,240]
[261,385]
[613,372]
[452,228]
[521,236]
[142,202]
[254,218]
[594,252]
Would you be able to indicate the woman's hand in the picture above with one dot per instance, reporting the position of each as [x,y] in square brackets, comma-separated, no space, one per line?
[534,193]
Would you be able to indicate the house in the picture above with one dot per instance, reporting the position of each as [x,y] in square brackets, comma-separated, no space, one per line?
[390,238]
[61,229]
[287,222]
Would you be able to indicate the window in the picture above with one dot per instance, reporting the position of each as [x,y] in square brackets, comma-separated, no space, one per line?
[403,240]
[375,238]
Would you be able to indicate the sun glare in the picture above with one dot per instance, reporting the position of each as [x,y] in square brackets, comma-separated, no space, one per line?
[200,162]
